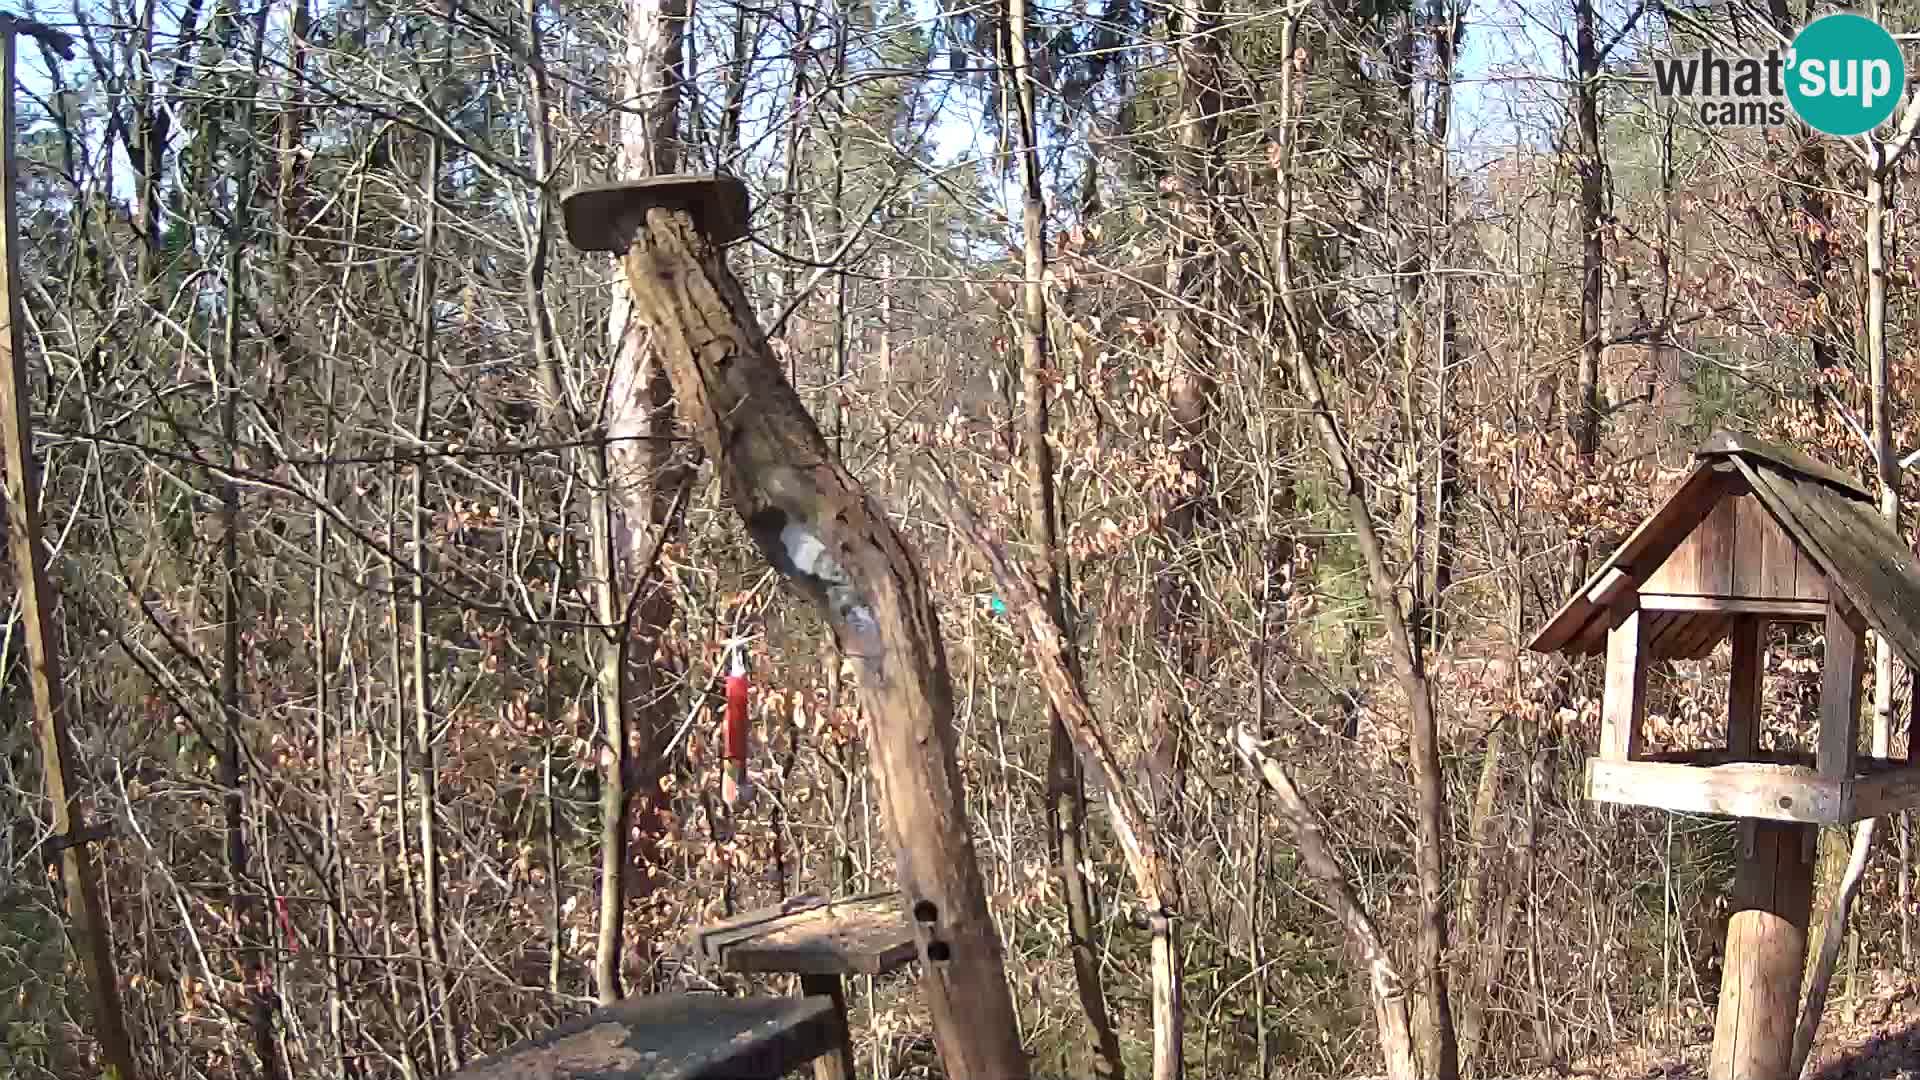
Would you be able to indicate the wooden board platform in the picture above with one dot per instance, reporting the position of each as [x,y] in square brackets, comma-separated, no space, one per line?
[1772,791]
[861,935]
[673,1037]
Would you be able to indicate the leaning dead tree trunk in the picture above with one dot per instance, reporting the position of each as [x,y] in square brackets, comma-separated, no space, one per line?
[815,524]
[1152,874]
[1389,995]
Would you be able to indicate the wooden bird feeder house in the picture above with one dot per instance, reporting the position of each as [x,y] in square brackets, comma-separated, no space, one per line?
[1755,534]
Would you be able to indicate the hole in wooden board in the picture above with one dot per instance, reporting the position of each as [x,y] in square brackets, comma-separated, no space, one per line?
[939,952]
[925,911]
[1786,802]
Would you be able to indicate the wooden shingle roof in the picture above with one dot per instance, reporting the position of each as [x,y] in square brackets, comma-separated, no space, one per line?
[1827,514]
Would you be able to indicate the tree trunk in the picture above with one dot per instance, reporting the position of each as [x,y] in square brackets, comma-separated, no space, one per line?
[815,524]
[1831,933]
[246,913]
[629,502]
[426,778]
[86,920]
[1066,789]
[1384,987]
[1440,1057]
[1584,417]
[1146,857]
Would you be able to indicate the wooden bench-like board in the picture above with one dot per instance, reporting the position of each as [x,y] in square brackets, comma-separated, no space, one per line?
[861,935]
[673,1037]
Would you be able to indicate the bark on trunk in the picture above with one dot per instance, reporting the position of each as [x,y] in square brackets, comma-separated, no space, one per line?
[631,502]
[815,524]
[1584,418]
[1066,788]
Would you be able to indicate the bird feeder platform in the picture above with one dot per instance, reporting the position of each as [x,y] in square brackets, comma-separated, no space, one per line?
[1755,534]
[673,1037]
[822,941]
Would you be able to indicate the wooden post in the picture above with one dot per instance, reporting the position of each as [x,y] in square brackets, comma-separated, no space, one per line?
[814,523]
[1766,948]
[835,1064]
[1623,701]
[1843,667]
[86,923]
[1743,695]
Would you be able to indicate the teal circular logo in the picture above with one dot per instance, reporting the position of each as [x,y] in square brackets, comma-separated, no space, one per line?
[1846,74]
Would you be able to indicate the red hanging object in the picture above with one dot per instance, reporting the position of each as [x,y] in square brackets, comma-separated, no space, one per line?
[735,788]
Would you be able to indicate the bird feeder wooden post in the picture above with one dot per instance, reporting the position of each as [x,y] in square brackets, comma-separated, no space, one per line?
[1756,534]
[815,524]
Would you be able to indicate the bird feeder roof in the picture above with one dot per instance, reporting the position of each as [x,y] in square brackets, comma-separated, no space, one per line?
[1828,519]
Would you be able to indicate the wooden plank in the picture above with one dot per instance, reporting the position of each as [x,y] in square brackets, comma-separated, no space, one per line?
[673,1037]
[1863,764]
[1661,639]
[867,935]
[838,1064]
[1885,793]
[1742,790]
[1743,694]
[1702,634]
[1778,610]
[1766,947]
[1840,675]
[1624,699]
[1754,557]
[706,937]
[1725,443]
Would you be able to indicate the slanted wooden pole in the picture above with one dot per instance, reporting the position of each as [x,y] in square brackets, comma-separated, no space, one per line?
[86,924]
[814,523]
[1766,948]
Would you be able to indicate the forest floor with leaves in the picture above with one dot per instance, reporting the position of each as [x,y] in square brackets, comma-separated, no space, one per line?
[1873,1037]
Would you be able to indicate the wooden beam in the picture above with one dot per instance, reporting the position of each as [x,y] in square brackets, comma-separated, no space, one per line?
[1776,610]
[1744,790]
[674,1037]
[1611,586]
[1884,793]
[1624,700]
[1843,667]
[1766,947]
[1743,695]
